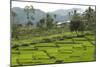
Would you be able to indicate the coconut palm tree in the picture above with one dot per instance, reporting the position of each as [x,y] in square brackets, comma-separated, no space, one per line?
[28,10]
[90,17]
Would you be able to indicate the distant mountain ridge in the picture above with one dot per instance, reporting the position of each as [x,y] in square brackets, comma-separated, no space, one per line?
[22,16]
[61,15]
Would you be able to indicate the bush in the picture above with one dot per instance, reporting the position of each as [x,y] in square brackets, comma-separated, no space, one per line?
[56,38]
[63,42]
[69,37]
[59,61]
[80,35]
[24,44]
[52,57]
[64,36]
[15,46]
[61,38]
[46,40]
[89,33]
[33,43]
[15,52]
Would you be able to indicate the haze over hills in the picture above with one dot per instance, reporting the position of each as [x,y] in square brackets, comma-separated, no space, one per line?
[61,15]
[65,12]
[22,16]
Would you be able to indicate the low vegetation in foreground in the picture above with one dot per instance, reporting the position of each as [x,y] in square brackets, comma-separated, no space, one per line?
[53,49]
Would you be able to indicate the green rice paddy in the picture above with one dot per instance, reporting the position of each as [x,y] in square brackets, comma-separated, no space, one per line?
[52,50]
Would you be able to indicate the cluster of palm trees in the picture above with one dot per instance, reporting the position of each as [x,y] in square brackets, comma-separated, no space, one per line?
[83,22]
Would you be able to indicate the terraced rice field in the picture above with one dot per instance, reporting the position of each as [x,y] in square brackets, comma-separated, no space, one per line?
[64,50]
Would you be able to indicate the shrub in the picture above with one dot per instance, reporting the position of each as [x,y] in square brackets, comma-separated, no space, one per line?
[52,57]
[24,44]
[56,38]
[46,40]
[69,37]
[33,43]
[59,61]
[65,36]
[61,38]
[63,42]
[80,35]
[15,46]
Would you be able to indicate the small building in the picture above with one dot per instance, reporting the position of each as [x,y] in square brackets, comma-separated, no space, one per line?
[61,24]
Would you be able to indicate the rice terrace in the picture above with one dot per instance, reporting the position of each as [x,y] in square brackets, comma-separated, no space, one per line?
[45,33]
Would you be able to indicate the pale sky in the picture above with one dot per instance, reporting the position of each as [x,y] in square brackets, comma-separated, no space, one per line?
[48,7]
[89,2]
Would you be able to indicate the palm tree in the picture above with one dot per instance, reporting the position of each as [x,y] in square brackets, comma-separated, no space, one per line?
[28,10]
[90,17]
[55,17]
[49,21]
